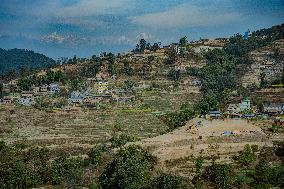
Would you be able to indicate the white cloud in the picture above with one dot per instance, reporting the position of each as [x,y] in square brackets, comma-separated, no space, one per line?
[186,15]
[53,37]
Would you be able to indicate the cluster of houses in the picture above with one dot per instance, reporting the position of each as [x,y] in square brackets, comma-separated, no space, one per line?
[246,110]
[98,91]
[26,98]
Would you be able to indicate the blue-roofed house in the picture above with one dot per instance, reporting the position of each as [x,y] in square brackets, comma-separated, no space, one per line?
[76,98]
[245,105]
[215,114]
[54,88]
[26,101]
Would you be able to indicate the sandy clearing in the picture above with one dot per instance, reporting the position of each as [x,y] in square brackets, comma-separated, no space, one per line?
[184,142]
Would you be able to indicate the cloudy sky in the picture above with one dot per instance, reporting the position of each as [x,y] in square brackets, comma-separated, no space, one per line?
[85,27]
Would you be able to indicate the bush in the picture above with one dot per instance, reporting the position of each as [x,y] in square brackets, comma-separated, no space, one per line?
[266,176]
[67,172]
[96,154]
[121,139]
[220,174]
[248,155]
[131,168]
[168,181]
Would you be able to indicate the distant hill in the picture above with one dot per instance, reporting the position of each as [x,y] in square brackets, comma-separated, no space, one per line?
[15,59]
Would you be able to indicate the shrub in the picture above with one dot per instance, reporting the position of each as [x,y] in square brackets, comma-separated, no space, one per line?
[131,168]
[220,174]
[96,154]
[121,139]
[248,155]
[198,165]
[266,176]
[67,172]
[168,181]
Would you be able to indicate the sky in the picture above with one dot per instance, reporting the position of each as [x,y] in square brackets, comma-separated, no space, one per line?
[64,28]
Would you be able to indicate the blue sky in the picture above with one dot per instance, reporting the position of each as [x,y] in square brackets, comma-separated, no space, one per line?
[61,28]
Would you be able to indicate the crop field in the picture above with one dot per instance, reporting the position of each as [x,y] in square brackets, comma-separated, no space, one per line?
[81,129]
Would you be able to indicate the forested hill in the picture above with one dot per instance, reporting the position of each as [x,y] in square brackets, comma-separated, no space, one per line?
[17,59]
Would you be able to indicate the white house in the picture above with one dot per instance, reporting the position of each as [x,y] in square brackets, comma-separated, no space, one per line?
[26,101]
[54,88]
[245,105]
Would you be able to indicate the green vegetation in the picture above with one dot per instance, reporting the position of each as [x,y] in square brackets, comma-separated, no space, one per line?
[174,74]
[20,60]
[130,169]
[248,155]
[26,83]
[95,155]
[238,46]
[144,45]
[168,181]
[220,174]
[120,140]
[179,118]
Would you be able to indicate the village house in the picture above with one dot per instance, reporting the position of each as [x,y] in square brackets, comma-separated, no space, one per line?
[27,94]
[6,87]
[123,99]
[7,100]
[142,85]
[245,105]
[44,88]
[13,82]
[54,88]
[204,48]
[273,108]
[215,114]
[76,98]
[233,108]
[279,121]
[196,82]
[101,86]
[36,90]
[88,100]
[26,101]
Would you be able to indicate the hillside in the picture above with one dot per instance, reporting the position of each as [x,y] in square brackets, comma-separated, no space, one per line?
[188,115]
[15,59]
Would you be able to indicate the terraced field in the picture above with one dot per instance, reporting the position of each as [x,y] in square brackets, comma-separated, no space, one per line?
[78,130]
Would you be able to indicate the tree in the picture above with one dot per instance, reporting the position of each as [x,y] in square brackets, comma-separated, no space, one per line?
[248,155]
[263,83]
[198,165]
[127,69]
[142,45]
[172,56]
[92,68]
[183,41]
[121,139]
[220,174]
[266,176]
[155,47]
[174,74]
[168,181]
[282,78]
[67,172]
[129,84]
[96,154]
[130,168]
[111,64]
[192,71]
